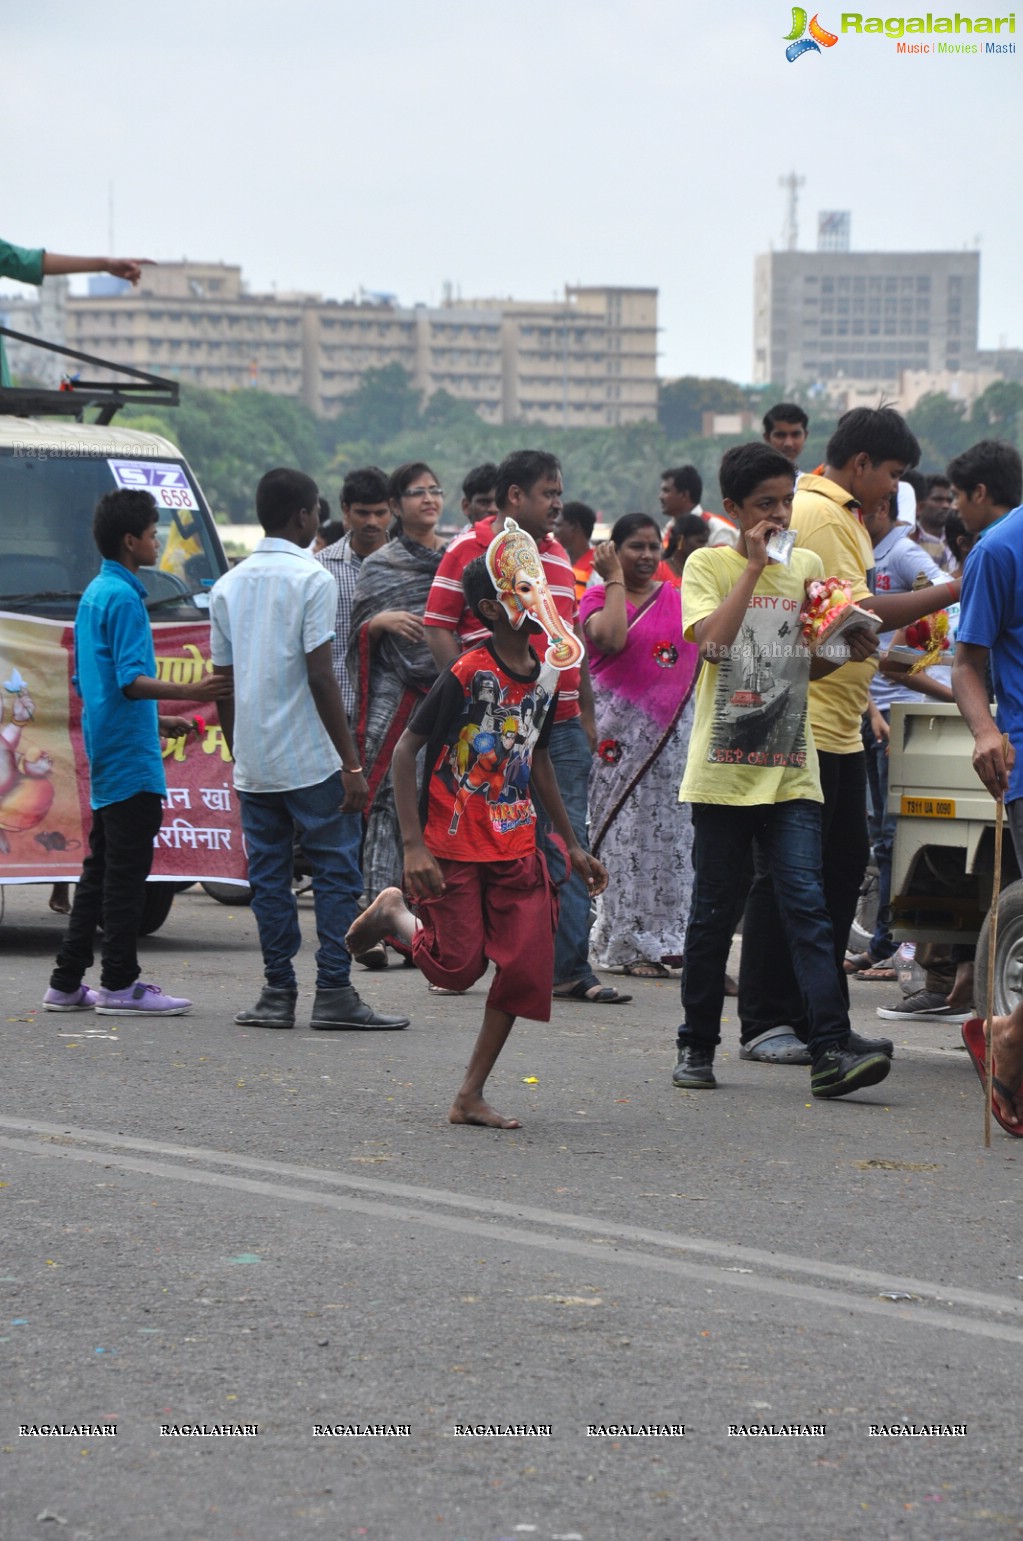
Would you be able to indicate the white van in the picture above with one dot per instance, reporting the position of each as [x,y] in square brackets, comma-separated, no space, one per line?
[52,474]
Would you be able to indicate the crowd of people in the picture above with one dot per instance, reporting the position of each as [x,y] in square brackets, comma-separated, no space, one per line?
[480,742]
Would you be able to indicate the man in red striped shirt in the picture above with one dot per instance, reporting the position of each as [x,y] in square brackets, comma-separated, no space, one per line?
[529,490]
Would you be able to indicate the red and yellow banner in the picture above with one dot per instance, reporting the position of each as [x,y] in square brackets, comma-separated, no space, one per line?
[44,774]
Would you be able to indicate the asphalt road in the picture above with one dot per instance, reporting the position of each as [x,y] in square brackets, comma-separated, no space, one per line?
[214,1226]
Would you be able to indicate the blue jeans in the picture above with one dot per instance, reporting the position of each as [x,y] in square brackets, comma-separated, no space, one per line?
[770,993]
[881,825]
[571,758]
[788,839]
[330,841]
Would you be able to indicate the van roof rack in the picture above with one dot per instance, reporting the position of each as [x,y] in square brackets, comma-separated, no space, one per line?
[72,399]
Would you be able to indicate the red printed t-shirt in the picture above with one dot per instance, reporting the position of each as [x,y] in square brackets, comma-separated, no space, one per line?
[446,606]
[482,724]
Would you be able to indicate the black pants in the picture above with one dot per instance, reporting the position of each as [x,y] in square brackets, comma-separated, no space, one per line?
[110,893]
[769,995]
[788,837]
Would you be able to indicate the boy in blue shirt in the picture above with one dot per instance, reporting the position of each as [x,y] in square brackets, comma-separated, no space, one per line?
[115,675]
[988,484]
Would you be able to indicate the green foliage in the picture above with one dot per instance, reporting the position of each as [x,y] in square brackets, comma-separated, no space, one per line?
[942,428]
[682,403]
[383,405]
[998,413]
[230,439]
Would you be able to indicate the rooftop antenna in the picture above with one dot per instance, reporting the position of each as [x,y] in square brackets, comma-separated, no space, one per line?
[790,232]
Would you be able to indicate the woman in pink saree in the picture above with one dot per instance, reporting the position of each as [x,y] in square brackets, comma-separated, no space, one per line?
[643,676]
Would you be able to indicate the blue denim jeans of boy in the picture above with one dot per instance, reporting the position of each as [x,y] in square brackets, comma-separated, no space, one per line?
[881,826]
[330,841]
[571,758]
[770,994]
[788,838]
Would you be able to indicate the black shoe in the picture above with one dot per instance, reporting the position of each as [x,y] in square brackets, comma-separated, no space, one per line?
[858,1045]
[275,1008]
[695,1068]
[837,1072]
[343,1007]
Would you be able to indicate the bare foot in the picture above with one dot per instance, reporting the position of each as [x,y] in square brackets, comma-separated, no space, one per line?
[377,920]
[960,997]
[1007,1055]
[60,899]
[473,1110]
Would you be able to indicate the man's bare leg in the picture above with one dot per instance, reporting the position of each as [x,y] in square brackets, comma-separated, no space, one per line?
[388,915]
[960,997]
[1007,1054]
[469,1106]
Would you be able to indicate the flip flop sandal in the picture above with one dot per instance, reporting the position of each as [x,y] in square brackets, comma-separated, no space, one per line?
[591,992]
[879,971]
[778,1046]
[644,969]
[443,990]
[973,1038]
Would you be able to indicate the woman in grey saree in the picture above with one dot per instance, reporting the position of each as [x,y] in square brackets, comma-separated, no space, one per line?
[389,662]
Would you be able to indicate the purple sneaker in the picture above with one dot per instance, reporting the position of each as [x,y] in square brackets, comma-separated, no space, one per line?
[146,1000]
[82,999]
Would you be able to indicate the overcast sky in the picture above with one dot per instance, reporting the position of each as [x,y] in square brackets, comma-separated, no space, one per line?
[508,149]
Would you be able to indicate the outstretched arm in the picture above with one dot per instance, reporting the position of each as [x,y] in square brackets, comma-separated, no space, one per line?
[129,268]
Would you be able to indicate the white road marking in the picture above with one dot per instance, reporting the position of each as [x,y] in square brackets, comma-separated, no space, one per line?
[770,1273]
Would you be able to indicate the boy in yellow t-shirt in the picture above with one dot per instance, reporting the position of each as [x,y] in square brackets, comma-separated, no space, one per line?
[751,774]
[866,455]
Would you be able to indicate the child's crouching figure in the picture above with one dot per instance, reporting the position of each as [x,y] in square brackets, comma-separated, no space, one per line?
[479,885]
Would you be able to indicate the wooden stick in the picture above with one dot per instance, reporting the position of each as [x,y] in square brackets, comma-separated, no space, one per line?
[996,889]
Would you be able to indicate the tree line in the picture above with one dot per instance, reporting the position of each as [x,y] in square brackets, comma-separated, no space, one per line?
[231,438]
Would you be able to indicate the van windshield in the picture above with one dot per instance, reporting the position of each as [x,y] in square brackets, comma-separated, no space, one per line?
[47,553]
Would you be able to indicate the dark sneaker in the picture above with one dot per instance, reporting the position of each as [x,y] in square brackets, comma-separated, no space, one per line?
[859,1045]
[343,1008]
[837,1072]
[695,1068]
[140,1000]
[924,1006]
[82,999]
[275,1008]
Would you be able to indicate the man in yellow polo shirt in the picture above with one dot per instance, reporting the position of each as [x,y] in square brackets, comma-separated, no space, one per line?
[866,456]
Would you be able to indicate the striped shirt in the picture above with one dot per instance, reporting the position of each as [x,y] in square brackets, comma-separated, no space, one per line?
[343,564]
[266,615]
[446,606]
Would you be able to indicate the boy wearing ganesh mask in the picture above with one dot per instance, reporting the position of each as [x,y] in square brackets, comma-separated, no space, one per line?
[473,872]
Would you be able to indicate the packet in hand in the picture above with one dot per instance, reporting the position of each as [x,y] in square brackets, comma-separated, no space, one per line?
[781,545]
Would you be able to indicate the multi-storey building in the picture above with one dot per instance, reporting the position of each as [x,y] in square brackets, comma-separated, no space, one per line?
[587,360]
[839,316]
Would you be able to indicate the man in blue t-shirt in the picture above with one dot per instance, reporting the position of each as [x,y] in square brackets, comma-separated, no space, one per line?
[988,484]
[115,675]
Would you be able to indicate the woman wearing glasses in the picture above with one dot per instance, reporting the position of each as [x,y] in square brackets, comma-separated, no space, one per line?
[390,665]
